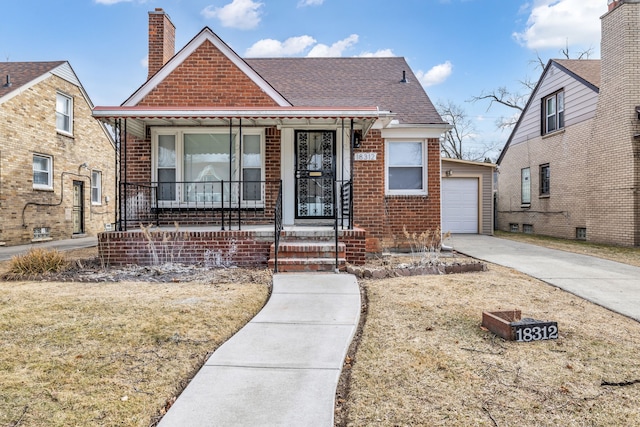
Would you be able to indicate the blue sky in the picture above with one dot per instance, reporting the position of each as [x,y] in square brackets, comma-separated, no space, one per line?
[457,48]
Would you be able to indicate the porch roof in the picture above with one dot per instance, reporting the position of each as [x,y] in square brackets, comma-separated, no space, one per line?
[139,117]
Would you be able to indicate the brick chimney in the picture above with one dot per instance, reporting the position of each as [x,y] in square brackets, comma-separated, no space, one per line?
[162,40]
[612,4]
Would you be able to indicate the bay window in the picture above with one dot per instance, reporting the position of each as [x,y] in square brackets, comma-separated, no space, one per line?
[204,166]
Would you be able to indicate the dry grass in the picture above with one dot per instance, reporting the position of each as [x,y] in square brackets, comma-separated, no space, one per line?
[423,358]
[115,353]
[109,354]
[37,261]
[626,255]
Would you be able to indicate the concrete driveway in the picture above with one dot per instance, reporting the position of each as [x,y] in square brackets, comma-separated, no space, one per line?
[610,284]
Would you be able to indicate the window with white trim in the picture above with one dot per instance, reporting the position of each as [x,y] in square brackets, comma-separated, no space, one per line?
[525,186]
[553,107]
[96,187]
[42,172]
[406,167]
[204,166]
[64,113]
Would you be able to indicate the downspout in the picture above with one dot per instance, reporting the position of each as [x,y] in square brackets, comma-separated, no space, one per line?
[353,173]
[124,199]
[240,177]
[117,173]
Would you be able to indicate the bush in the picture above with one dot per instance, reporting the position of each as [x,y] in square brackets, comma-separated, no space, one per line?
[38,261]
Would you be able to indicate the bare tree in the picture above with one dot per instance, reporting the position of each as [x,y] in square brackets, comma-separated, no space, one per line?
[516,99]
[460,141]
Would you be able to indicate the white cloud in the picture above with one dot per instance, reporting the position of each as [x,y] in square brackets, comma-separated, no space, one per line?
[303,3]
[274,48]
[336,49]
[436,75]
[378,54]
[553,24]
[241,14]
[145,62]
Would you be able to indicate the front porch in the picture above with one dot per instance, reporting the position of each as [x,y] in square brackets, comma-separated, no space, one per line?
[300,248]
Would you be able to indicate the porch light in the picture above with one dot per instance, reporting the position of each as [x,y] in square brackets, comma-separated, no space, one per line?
[357,138]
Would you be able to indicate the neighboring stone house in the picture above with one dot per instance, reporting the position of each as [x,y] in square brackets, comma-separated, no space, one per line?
[57,163]
[571,167]
[211,135]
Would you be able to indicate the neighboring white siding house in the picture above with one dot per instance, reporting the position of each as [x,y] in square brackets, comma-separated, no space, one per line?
[543,168]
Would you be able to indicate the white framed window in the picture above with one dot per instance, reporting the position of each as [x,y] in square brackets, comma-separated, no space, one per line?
[42,172]
[205,166]
[525,186]
[96,187]
[405,167]
[553,107]
[64,113]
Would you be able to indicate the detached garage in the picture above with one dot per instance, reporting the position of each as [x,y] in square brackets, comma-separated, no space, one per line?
[467,197]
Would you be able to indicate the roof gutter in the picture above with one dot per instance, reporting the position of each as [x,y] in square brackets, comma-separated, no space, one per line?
[278,112]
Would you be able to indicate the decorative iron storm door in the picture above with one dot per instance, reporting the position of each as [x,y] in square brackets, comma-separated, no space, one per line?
[315,173]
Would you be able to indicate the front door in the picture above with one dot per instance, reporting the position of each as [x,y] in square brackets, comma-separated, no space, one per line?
[78,207]
[315,174]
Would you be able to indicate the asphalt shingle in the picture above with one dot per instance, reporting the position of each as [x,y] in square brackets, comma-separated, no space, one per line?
[350,82]
[21,73]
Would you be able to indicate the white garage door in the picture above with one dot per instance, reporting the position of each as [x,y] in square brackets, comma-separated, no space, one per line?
[460,205]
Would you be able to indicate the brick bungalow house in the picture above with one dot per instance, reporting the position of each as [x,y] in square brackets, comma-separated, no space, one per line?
[306,148]
[571,167]
[57,163]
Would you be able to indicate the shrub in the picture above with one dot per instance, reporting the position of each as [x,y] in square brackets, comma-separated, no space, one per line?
[425,247]
[38,261]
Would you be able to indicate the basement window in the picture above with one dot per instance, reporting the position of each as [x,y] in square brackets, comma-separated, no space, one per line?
[514,228]
[527,228]
[581,233]
[41,233]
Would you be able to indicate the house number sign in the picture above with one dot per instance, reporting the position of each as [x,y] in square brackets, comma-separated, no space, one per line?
[536,331]
[365,156]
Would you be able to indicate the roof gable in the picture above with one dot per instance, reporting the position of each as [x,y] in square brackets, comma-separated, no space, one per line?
[206,62]
[581,72]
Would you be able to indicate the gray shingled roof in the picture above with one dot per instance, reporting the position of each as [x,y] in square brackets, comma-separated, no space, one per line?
[350,82]
[22,73]
[588,69]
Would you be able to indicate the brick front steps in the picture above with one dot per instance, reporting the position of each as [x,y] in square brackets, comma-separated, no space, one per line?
[310,256]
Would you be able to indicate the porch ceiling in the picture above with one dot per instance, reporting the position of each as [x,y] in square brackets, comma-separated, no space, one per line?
[138,118]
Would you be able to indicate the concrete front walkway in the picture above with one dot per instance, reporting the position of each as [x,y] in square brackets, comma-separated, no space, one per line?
[282,368]
[610,284]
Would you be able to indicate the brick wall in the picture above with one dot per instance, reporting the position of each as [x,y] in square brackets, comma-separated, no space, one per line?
[385,216]
[210,248]
[565,208]
[28,126]
[197,82]
[614,211]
